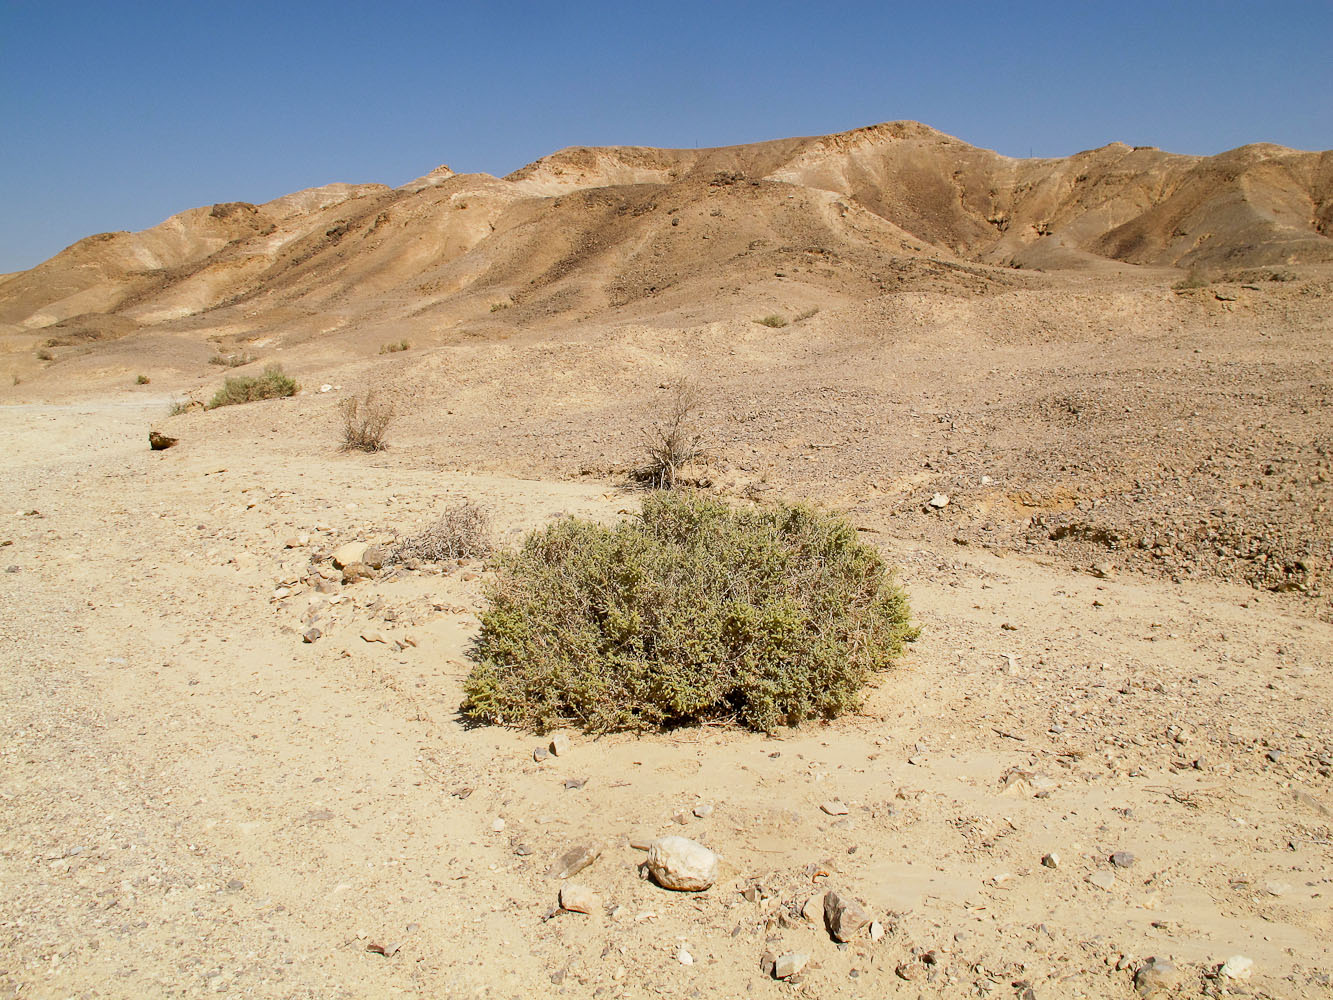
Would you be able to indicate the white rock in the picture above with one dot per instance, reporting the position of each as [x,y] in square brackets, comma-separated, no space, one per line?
[813,910]
[682,864]
[325,387]
[1237,967]
[939,501]
[352,552]
[876,930]
[560,745]
[1102,879]
[497,825]
[684,957]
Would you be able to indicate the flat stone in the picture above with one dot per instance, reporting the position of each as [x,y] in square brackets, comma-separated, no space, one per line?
[311,635]
[703,811]
[1102,880]
[560,745]
[1123,859]
[835,807]
[813,909]
[352,552]
[574,860]
[578,898]
[540,754]
[1236,967]
[682,864]
[844,916]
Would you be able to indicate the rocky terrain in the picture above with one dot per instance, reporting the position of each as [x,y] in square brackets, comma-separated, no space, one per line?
[1082,404]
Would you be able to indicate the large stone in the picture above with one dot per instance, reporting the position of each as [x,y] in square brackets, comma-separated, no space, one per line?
[843,915]
[681,864]
[1236,967]
[159,441]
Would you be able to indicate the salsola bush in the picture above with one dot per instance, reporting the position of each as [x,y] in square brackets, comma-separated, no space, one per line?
[462,531]
[248,388]
[365,421]
[692,612]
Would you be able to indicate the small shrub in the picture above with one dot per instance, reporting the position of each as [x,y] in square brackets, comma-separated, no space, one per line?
[231,360]
[178,407]
[463,531]
[142,380]
[690,613]
[365,421]
[775,321]
[45,355]
[497,306]
[801,317]
[394,348]
[271,384]
[674,441]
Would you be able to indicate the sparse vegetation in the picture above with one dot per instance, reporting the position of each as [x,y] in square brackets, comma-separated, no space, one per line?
[178,407]
[142,380]
[692,612]
[231,360]
[773,320]
[271,384]
[674,441]
[801,317]
[365,421]
[463,531]
[497,306]
[45,355]
[394,347]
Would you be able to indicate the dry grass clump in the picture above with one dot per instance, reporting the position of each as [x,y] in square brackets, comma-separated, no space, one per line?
[366,420]
[693,612]
[675,440]
[273,383]
[462,531]
[394,347]
[231,360]
[773,320]
[142,380]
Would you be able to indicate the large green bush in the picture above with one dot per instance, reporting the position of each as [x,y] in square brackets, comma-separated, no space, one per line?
[248,388]
[693,611]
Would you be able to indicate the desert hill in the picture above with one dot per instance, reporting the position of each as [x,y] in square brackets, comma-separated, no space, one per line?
[584,231]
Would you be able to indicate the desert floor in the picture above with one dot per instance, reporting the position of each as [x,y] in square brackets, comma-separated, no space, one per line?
[197,802]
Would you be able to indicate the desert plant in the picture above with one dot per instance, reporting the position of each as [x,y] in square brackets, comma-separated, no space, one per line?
[393,347]
[248,388]
[674,441]
[45,355]
[1196,277]
[801,317]
[231,360]
[462,531]
[142,380]
[773,320]
[497,306]
[691,612]
[365,421]
[178,407]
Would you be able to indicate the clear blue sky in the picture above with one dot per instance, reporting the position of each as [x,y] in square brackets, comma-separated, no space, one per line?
[117,115]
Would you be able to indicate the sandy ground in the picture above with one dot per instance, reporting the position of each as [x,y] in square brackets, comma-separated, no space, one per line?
[196,802]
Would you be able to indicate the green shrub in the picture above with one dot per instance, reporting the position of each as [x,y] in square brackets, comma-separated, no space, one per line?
[248,388]
[142,380]
[692,612]
[775,321]
[395,347]
[497,306]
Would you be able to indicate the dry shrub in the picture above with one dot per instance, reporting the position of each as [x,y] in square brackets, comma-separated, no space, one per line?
[773,320]
[463,531]
[395,347]
[674,441]
[231,360]
[692,612]
[365,421]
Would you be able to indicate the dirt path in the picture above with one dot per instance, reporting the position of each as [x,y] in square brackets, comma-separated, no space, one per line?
[197,802]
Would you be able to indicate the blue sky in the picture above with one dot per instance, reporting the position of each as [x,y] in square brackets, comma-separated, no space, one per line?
[117,115]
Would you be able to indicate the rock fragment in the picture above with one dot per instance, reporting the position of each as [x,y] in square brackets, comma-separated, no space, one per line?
[1236,967]
[1156,976]
[574,860]
[843,915]
[834,807]
[560,745]
[787,965]
[578,898]
[1123,859]
[681,864]
[159,441]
